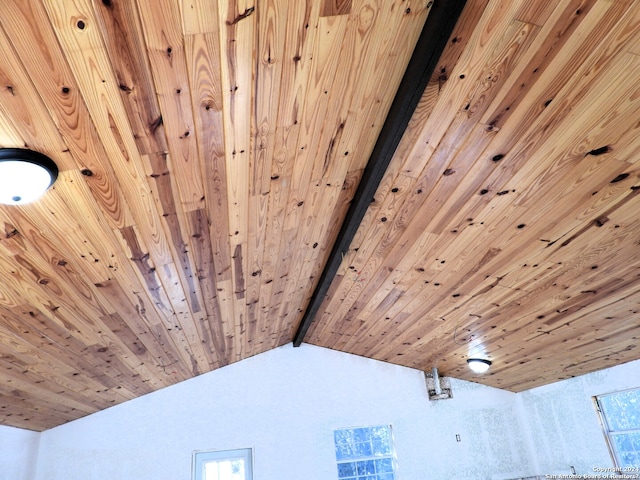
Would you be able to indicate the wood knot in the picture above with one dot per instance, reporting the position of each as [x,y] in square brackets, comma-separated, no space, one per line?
[599,151]
[619,178]
[242,16]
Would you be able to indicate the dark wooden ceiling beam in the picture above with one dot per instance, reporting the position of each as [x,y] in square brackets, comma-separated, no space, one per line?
[429,47]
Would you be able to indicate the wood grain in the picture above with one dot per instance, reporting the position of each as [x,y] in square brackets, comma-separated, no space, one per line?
[208,154]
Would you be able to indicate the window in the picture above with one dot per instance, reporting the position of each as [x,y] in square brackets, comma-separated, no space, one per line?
[365,453]
[620,417]
[223,465]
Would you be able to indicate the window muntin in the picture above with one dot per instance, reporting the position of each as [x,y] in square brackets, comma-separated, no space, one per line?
[620,415]
[223,465]
[365,453]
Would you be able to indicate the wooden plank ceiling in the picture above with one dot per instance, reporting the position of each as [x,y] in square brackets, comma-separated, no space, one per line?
[209,151]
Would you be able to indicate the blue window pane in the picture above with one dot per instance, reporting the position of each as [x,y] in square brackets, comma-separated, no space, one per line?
[622,410]
[385,476]
[362,445]
[381,440]
[340,436]
[384,465]
[346,470]
[345,444]
[629,459]
[380,447]
[366,467]
[361,434]
[623,442]
[381,433]
[344,452]
[625,445]
[363,449]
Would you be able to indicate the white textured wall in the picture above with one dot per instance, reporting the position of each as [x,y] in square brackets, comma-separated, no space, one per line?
[564,427]
[18,453]
[285,404]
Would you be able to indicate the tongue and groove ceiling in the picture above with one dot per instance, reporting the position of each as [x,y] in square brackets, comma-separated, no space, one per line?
[210,150]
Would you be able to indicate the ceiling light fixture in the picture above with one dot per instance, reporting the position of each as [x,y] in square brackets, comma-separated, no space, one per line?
[24,175]
[479,365]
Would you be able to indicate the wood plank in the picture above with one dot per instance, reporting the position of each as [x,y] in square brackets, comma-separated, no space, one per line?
[81,317]
[200,16]
[214,328]
[297,66]
[237,40]
[82,42]
[31,350]
[125,45]
[237,45]
[271,29]
[554,36]
[92,250]
[166,51]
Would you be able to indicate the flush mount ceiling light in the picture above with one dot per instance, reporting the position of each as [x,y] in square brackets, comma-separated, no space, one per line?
[24,175]
[479,365]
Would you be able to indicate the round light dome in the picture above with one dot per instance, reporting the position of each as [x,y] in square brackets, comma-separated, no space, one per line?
[479,365]
[24,175]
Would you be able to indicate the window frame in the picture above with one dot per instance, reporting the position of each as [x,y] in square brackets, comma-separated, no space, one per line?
[200,457]
[391,455]
[607,430]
